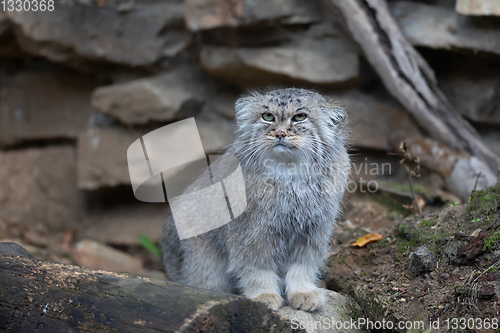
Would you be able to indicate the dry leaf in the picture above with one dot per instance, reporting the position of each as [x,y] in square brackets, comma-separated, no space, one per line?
[412,168]
[420,202]
[409,162]
[367,239]
[417,205]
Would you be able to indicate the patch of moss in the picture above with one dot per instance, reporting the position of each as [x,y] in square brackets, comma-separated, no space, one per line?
[491,241]
[402,245]
[375,304]
[405,187]
[393,202]
[484,203]
[438,239]
[461,290]
[428,223]
[408,231]
[356,311]
[411,237]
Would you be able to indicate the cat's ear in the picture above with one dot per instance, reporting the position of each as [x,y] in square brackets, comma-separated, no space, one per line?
[336,114]
[244,104]
[241,104]
[243,107]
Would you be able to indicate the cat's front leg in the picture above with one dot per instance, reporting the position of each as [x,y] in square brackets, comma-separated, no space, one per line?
[301,289]
[260,284]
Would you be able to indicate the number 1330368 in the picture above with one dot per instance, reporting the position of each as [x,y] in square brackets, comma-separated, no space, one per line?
[27,5]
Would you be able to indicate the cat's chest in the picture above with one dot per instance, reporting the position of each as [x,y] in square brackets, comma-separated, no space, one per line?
[292,197]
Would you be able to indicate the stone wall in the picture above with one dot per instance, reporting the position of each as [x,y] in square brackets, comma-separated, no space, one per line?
[79,84]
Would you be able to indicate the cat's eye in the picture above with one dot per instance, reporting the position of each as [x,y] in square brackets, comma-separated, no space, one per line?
[299,117]
[268,116]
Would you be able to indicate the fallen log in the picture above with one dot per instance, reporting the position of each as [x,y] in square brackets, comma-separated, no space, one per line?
[409,79]
[45,296]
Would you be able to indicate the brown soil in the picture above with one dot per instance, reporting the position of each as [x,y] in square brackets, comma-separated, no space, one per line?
[392,283]
[378,275]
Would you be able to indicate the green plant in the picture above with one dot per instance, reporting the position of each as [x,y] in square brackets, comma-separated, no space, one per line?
[491,241]
[149,245]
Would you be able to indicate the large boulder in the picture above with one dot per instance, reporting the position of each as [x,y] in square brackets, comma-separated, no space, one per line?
[491,135]
[8,45]
[43,103]
[377,121]
[4,23]
[211,14]
[102,152]
[38,188]
[443,28]
[76,31]
[478,7]
[123,224]
[177,94]
[216,131]
[476,96]
[102,157]
[321,55]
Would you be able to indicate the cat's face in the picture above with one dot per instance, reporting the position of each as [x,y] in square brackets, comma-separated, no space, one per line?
[288,124]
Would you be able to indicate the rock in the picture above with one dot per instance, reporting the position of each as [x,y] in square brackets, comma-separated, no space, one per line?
[123,225]
[38,188]
[338,315]
[321,56]
[102,152]
[392,123]
[487,291]
[223,104]
[475,95]
[471,250]
[95,255]
[460,172]
[442,28]
[79,31]
[9,47]
[422,260]
[216,132]
[478,7]
[91,254]
[434,155]
[211,14]
[175,95]
[44,103]
[13,249]
[491,136]
[467,174]
[4,24]
[102,157]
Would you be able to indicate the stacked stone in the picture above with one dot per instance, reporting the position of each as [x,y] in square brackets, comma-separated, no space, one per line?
[79,84]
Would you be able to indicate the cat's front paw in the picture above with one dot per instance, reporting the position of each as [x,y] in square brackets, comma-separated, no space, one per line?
[308,300]
[274,301]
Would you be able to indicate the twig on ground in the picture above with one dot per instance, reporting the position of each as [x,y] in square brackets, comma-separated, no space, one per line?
[477,179]
[494,265]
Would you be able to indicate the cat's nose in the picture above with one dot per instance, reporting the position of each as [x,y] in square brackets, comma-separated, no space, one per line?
[280,134]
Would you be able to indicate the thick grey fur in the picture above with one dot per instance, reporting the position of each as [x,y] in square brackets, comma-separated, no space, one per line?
[278,246]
